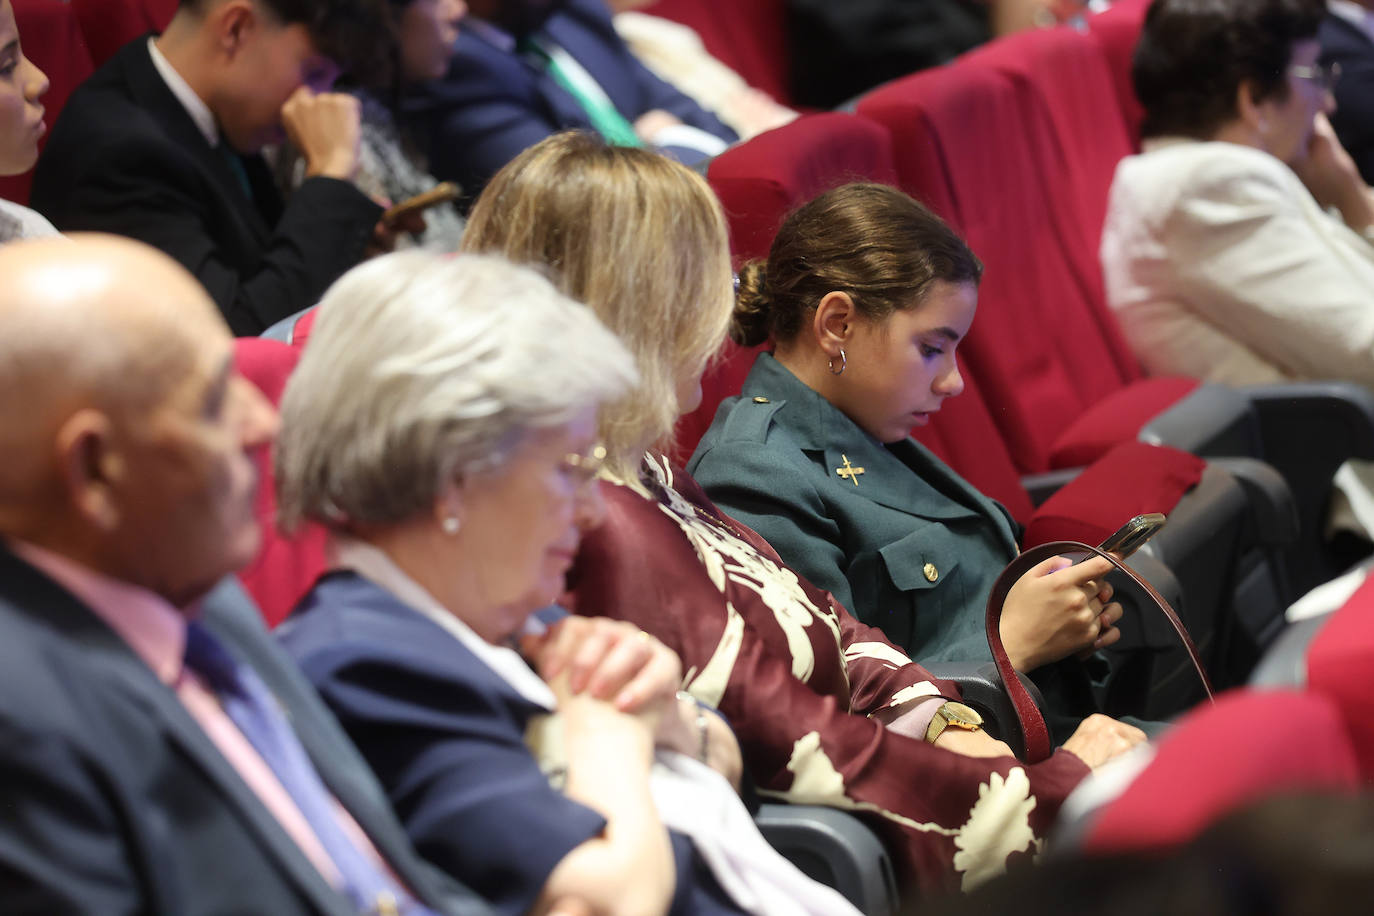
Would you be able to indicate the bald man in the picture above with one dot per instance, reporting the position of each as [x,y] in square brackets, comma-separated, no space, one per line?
[134,772]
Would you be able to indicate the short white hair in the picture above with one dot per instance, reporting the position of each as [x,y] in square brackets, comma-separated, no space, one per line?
[423,368]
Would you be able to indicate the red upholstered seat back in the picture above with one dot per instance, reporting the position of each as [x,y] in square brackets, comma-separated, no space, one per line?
[1061,78]
[761,181]
[1340,665]
[1116,31]
[1249,746]
[50,37]
[983,144]
[748,36]
[110,24]
[758,184]
[285,568]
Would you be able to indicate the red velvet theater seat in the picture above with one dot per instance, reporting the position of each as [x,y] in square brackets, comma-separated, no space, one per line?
[748,36]
[761,181]
[1116,31]
[758,184]
[974,139]
[1340,666]
[108,25]
[50,37]
[284,568]
[1250,746]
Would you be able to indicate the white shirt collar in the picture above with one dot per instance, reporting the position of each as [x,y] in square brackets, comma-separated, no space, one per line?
[1361,17]
[375,566]
[195,106]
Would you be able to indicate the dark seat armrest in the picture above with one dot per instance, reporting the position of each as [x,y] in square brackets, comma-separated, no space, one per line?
[1310,429]
[1042,486]
[981,687]
[1273,510]
[835,848]
[1335,417]
[1212,420]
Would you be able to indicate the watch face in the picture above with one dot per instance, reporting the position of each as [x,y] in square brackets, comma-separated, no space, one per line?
[962,716]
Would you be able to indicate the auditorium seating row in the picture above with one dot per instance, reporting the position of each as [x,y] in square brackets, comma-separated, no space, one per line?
[1050,385]
[1015,145]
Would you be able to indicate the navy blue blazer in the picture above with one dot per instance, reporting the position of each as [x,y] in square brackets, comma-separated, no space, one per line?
[446,737]
[113,800]
[495,102]
[1353,49]
[125,157]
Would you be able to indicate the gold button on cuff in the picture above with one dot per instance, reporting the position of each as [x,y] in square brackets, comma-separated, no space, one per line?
[760,400]
[931,572]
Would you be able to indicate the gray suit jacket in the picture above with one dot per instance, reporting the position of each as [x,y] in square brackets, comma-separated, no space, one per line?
[114,801]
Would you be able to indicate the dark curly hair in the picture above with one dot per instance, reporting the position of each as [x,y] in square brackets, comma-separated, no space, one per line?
[1194,55]
[868,240]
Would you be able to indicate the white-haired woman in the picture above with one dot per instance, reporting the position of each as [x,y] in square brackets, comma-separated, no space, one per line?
[442,425]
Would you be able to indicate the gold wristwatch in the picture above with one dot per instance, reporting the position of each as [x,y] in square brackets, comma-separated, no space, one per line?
[953,715]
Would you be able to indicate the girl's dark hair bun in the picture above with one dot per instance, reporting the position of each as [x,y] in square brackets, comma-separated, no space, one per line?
[752,321]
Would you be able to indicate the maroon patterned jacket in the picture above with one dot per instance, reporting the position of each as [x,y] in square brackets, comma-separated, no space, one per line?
[798,678]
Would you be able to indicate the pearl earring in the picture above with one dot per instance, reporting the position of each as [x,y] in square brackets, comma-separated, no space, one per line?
[450,525]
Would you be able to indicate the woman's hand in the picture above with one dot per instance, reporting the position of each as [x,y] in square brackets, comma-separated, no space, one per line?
[610,660]
[1059,608]
[1099,738]
[616,661]
[1330,174]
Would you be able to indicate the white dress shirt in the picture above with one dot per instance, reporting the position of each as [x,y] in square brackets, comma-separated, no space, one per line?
[195,106]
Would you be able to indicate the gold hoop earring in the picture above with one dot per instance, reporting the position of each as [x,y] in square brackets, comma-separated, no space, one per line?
[831,364]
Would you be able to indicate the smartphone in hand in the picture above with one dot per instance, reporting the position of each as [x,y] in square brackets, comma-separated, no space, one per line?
[1131,536]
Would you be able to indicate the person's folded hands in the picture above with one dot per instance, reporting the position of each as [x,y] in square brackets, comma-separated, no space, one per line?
[610,660]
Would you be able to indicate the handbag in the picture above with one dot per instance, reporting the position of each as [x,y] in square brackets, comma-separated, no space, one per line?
[1033,726]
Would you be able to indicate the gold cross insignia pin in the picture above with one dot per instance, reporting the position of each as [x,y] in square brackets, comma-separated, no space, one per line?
[849,472]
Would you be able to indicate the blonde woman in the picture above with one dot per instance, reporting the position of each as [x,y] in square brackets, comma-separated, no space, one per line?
[826,710]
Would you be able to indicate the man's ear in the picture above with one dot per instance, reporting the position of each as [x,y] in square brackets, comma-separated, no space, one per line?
[232,23]
[833,323]
[90,467]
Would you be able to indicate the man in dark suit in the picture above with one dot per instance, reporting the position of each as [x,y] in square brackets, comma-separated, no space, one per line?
[161,144]
[158,753]
[530,68]
[1347,37]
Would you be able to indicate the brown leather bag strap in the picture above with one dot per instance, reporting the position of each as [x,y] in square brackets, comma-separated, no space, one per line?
[1032,722]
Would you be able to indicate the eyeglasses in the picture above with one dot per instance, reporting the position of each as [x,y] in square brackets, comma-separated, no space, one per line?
[584,468]
[1324,75]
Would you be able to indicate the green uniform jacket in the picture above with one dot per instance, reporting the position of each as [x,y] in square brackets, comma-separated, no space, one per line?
[913,549]
[907,545]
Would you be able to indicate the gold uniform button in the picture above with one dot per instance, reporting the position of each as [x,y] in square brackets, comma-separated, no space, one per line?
[760,400]
[931,572]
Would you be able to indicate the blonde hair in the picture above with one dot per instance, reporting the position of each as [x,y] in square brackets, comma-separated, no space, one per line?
[638,237]
[423,369]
